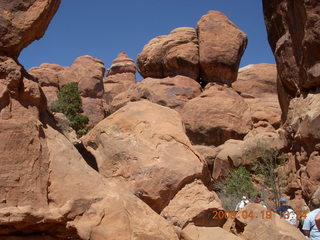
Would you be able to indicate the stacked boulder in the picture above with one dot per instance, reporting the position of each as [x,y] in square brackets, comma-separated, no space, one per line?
[120,76]
[48,191]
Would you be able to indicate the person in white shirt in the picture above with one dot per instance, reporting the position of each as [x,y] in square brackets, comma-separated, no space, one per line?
[242,203]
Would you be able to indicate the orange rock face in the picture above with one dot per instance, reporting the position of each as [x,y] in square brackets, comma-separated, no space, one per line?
[293,32]
[193,204]
[257,84]
[120,77]
[172,92]
[22,22]
[217,115]
[87,71]
[170,55]
[221,45]
[143,147]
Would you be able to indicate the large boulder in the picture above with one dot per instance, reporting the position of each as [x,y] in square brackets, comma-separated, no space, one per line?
[235,153]
[87,72]
[22,22]
[143,147]
[215,116]
[257,84]
[193,204]
[172,92]
[293,32]
[170,55]
[221,45]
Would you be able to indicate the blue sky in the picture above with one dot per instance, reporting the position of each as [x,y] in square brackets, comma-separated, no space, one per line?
[103,28]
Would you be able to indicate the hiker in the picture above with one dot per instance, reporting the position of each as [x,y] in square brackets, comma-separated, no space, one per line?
[304,211]
[287,213]
[311,224]
[242,203]
[258,199]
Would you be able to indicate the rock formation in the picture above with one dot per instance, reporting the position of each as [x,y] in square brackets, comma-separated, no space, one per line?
[170,55]
[137,175]
[221,45]
[143,147]
[217,115]
[193,204]
[47,189]
[192,232]
[257,85]
[172,92]
[120,77]
[293,32]
[22,22]
[88,72]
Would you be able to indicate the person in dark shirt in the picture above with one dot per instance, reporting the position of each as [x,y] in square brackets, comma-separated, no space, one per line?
[287,213]
[283,206]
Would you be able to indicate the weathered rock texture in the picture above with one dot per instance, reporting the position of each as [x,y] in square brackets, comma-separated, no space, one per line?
[22,22]
[143,147]
[257,84]
[172,92]
[47,190]
[122,69]
[192,232]
[170,55]
[294,32]
[236,153]
[193,204]
[221,45]
[87,72]
[120,77]
[217,115]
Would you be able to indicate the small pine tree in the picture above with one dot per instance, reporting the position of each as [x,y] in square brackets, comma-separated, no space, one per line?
[69,103]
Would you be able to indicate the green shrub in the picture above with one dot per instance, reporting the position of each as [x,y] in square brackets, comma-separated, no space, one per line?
[237,184]
[69,103]
[266,162]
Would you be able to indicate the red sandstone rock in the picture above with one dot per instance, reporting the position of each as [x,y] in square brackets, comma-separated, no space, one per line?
[170,55]
[257,84]
[172,92]
[47,189]
[143,147]
[87,71]
[22,22]
[122,69]
[120,77]
[221,45]
[192,232]
[215,116]
[293,32]
[193,204]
